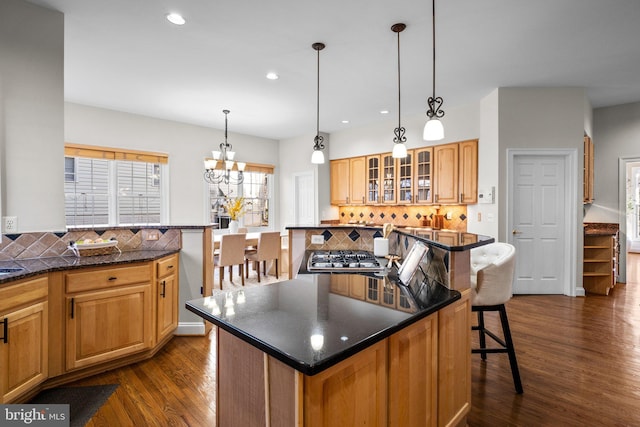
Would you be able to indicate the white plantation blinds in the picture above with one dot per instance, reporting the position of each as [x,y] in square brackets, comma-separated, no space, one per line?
[86,192]
[138,199]
[105,186]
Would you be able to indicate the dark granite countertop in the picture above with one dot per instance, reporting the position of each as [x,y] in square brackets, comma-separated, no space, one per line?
[34,266]
[450,240]
[280,319]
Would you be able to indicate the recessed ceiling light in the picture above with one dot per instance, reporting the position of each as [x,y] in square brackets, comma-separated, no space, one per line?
[345,121]
[384,111]
[175,18]
[272,76]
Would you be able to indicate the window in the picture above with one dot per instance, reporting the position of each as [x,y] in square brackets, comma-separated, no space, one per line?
[256,190]
[107,187]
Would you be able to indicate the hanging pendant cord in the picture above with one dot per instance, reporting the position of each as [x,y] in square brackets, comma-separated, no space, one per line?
[399,80]
[318,95]
[433,15]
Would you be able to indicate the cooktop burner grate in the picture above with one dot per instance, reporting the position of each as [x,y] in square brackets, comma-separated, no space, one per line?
[343,260]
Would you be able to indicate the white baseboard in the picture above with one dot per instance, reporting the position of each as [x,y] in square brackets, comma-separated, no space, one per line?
[580,292]
[190,328]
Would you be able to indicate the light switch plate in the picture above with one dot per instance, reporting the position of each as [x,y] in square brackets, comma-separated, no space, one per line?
[317,239]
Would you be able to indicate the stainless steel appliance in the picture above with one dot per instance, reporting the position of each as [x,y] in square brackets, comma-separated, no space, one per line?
[343,261]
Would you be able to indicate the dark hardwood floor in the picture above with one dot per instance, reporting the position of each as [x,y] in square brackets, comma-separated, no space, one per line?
[579,360]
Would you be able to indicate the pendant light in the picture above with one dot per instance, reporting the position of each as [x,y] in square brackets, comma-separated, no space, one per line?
[399,149]
[318,156]
[433,129]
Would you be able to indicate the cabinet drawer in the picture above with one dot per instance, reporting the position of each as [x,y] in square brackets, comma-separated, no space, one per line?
[167,266]
[106,277]
[23,292]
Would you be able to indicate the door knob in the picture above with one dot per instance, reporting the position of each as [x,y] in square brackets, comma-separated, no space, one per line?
[514,231]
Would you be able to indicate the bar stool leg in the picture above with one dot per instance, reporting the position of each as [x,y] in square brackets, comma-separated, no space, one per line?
[481,335]
[515,372]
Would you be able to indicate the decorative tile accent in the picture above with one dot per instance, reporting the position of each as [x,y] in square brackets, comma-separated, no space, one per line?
[377,234]
[382,215]
[60,235]
[12,236]
[354,235]
[463,217]
[351,214]
[163,230]
[393,215]
[405,216]
[327,235]
[342,214]
[371,215]
[361,215]
[418,216]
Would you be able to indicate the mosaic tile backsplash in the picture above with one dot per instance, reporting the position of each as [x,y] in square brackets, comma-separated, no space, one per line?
[411,216]
[46,244]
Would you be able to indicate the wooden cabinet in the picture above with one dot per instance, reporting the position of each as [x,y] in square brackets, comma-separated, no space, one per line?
[389,195]
[166,296]
[468,172]
[373,173]
[413,354]
[456,172]
[357,180]
[353,392]
[349,285]
[339,181]
[588,171]
[600,263]
[23,337]
[405,178]
[423,159]
[109,313]
[445,174]
[454,361]
[445,183]
[348,181]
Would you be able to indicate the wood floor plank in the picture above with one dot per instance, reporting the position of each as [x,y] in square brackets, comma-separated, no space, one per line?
[579,359]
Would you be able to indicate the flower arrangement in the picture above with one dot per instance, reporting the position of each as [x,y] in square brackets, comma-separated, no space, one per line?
[234,207]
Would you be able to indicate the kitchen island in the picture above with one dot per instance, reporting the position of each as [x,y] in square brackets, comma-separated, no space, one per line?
[306,352]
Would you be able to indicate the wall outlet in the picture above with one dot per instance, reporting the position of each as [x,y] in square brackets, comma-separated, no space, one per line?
[449,215]
[317,239]
[10,224]
[150,235]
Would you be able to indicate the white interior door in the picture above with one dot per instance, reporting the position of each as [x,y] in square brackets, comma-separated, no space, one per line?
[304,208]
[539,214]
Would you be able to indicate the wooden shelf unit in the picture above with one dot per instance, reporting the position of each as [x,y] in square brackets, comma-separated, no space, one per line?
[600,263]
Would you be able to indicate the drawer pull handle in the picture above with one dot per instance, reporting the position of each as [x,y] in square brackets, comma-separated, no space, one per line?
[164,283]
[112,278]
[5,337]
[72,307]
[169,267]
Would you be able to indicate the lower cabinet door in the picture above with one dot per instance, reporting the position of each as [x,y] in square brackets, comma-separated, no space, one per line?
[108,324]
[23,350]
[167,295]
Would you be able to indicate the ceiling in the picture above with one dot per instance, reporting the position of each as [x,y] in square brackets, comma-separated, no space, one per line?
[124,55]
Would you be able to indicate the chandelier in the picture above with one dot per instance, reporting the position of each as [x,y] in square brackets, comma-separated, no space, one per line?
[215,175]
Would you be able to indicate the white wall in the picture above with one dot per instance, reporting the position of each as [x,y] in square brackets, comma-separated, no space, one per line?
[616,135]
[187,146]
[31,98]
[295,157]
[460,123]
[483,218]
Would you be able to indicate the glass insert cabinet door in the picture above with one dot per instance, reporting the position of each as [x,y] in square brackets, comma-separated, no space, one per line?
[423,159]
[388,179]
[405,178]
[373,179]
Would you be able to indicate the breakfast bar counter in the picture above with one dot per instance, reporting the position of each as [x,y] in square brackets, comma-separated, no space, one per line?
[340,349]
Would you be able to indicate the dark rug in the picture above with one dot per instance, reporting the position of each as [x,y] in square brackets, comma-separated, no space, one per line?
[83,402]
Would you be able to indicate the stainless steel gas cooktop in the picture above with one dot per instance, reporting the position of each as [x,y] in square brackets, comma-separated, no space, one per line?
[343,261]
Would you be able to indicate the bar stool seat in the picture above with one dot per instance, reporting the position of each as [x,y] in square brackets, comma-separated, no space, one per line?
[492,270]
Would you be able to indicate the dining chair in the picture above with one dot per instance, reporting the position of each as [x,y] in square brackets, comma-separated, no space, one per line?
[492,270]
[268,249]
[231,253]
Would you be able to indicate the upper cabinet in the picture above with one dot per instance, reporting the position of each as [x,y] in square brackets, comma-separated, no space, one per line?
[348,185]
[445,174]
[468,171]
[588,170]
[456,172]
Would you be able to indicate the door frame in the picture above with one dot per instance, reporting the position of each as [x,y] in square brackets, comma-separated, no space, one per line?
[622,213]
[572,275]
